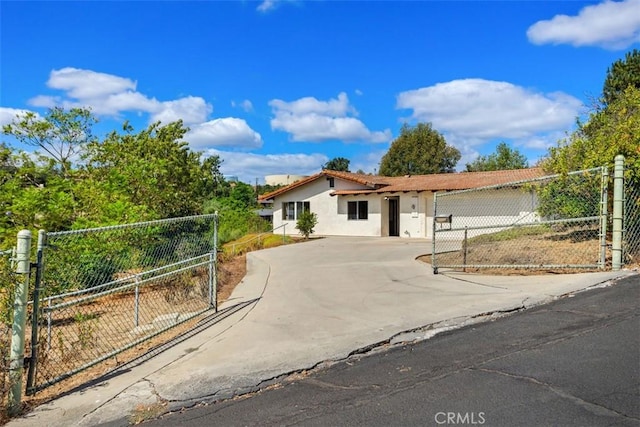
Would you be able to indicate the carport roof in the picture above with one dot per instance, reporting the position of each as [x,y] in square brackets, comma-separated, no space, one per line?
[410,183]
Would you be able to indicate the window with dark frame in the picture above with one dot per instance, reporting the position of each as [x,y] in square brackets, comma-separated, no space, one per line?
[358,210]
[332,182]
[292,210]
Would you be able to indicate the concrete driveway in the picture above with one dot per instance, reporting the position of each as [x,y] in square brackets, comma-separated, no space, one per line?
[305,304]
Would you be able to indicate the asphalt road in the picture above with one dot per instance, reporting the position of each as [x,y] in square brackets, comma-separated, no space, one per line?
[574,362]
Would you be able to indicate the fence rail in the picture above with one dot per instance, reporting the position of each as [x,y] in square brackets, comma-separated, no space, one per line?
[103,291]
[631,231]
[556,222]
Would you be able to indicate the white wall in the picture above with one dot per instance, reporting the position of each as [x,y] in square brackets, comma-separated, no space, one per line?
[331,210]
[504,206]
[487,208]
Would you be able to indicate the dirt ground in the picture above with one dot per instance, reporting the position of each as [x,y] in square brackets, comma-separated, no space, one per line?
[537,251]
[230,273]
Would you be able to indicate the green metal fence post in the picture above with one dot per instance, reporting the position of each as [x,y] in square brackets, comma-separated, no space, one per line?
[433,234]
[35,320]
[604,211]
[618,205]
[214,291]
[23,267]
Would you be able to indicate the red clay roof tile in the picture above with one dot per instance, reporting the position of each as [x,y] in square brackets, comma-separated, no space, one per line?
[433,182]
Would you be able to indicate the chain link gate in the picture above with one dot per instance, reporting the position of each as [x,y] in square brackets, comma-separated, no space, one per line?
[556,223]
[631,239]
[9,281]
[102,291]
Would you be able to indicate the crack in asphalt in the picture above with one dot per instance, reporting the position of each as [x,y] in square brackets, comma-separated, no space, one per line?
[590,406]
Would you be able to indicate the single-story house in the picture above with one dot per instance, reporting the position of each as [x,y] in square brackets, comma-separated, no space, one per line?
[349,204]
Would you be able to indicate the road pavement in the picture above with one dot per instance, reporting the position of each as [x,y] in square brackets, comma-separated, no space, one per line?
[299,307]
[574,362]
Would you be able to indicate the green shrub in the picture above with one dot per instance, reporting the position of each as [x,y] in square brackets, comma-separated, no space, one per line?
[306,222]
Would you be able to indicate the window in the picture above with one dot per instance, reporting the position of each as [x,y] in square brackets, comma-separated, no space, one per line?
[302,207]
[332,182]
[292,210]
[358,210]
[288,211]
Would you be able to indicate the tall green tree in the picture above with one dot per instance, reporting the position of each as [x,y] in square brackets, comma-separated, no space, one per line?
[607,132]
[504,158]
[33,194]
[419,150]
[155,168]
[61,134]
[337,164]
[622,74]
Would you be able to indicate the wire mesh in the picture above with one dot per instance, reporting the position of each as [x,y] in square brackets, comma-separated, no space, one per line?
[8,282]
[106,290]
[554,223]
[632,222]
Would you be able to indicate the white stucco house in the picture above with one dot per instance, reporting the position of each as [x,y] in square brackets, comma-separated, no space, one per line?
[349,204]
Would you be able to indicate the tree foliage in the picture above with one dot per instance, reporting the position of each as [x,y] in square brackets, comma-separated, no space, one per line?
[505,158]
[419,150]
[337,164]
[622,74]
[76,181]
[155,168]
[306,222]
[611,129]
[608,132]
[61,134]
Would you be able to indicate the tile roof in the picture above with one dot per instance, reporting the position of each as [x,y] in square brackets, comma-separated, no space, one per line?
[433,182]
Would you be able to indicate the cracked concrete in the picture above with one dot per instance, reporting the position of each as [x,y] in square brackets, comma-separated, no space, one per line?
[305,305]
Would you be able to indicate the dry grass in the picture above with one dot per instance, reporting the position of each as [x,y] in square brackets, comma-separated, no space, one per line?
[230,273]
[535,248]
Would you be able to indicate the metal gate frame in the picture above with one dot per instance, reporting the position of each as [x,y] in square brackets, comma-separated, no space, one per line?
[462,230]
[134,283]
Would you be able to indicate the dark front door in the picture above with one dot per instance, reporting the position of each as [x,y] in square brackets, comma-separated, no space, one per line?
[394,217]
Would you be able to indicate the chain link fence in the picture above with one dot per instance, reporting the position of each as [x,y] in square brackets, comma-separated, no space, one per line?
[632,222]
[8,282]
[555,223]
[106,290]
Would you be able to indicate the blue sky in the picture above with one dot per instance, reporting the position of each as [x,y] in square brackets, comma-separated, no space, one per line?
[281,87]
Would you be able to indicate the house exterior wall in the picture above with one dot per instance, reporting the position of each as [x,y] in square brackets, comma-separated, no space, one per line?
[482,208]
[331,210]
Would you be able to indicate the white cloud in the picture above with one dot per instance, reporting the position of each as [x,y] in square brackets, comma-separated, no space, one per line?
[107,94]
[87,84]
[246,105]
[308,119]
[190,109]
[266,6]
[8,115]
[249,166]
[111,95]
[224,132]
[269,5]
[614,25]
[472,111]
[309,105]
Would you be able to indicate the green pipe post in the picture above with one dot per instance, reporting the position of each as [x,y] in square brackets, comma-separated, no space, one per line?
[618,208]
[16,361]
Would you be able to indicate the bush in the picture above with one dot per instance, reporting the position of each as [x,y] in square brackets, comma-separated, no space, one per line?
[306,221]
